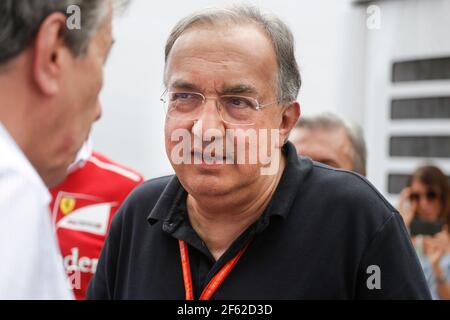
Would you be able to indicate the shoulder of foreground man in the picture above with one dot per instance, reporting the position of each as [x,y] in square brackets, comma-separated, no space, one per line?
[345,195]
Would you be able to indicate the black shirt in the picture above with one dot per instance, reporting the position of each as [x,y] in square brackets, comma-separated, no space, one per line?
[319,238]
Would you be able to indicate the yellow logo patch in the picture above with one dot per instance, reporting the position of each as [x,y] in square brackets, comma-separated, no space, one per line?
[67,205]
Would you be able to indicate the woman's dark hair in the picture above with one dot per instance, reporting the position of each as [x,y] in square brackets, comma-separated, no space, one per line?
[434,178]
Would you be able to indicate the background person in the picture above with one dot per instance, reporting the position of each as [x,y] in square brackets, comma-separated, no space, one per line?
[425,202]
[425,208]
[328,139]
[82,208]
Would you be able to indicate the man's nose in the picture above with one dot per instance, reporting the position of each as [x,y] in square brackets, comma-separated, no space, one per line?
[209,118]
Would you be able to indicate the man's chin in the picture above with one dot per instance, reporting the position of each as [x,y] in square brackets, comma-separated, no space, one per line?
[60,172]
[207,186]
[220,180]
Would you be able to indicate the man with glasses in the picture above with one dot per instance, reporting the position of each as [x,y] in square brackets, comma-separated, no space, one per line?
[224,227]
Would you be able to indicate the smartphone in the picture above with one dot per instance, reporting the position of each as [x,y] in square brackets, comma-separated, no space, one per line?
[419,227]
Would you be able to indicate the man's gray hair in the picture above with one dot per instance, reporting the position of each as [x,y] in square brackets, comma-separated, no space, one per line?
[330,121]
[288,78]
[20,21]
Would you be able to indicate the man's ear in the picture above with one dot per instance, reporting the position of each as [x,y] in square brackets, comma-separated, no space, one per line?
[49,49]
[290,116]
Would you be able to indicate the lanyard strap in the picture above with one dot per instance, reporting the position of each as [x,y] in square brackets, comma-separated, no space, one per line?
[215,282]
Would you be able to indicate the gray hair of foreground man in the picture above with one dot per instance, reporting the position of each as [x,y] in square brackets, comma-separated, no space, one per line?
[20,21]
[288,80]
[329,121]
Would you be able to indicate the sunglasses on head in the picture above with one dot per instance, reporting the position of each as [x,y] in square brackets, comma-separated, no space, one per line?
[430,195]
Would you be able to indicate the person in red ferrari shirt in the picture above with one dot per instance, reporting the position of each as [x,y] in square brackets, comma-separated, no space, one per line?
[82,208]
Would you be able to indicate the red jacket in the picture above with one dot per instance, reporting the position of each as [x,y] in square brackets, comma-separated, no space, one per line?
[82,209]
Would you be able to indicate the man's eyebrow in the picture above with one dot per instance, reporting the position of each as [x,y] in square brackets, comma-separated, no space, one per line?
[235,89]
[239,89]
[184,85]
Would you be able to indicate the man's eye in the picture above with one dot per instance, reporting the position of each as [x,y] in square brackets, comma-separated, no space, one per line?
[181,96]
[237,102]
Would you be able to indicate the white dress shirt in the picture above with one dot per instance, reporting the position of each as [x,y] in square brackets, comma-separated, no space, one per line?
[30,260]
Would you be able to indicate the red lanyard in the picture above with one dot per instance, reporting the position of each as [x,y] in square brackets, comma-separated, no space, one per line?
[215,282]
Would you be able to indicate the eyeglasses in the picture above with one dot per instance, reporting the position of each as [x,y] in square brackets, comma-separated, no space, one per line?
[430,195]
[238,110]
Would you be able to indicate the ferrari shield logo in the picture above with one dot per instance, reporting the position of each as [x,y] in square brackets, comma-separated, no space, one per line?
[67,205]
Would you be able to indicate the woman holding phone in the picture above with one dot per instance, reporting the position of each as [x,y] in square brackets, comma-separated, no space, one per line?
[425,208]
